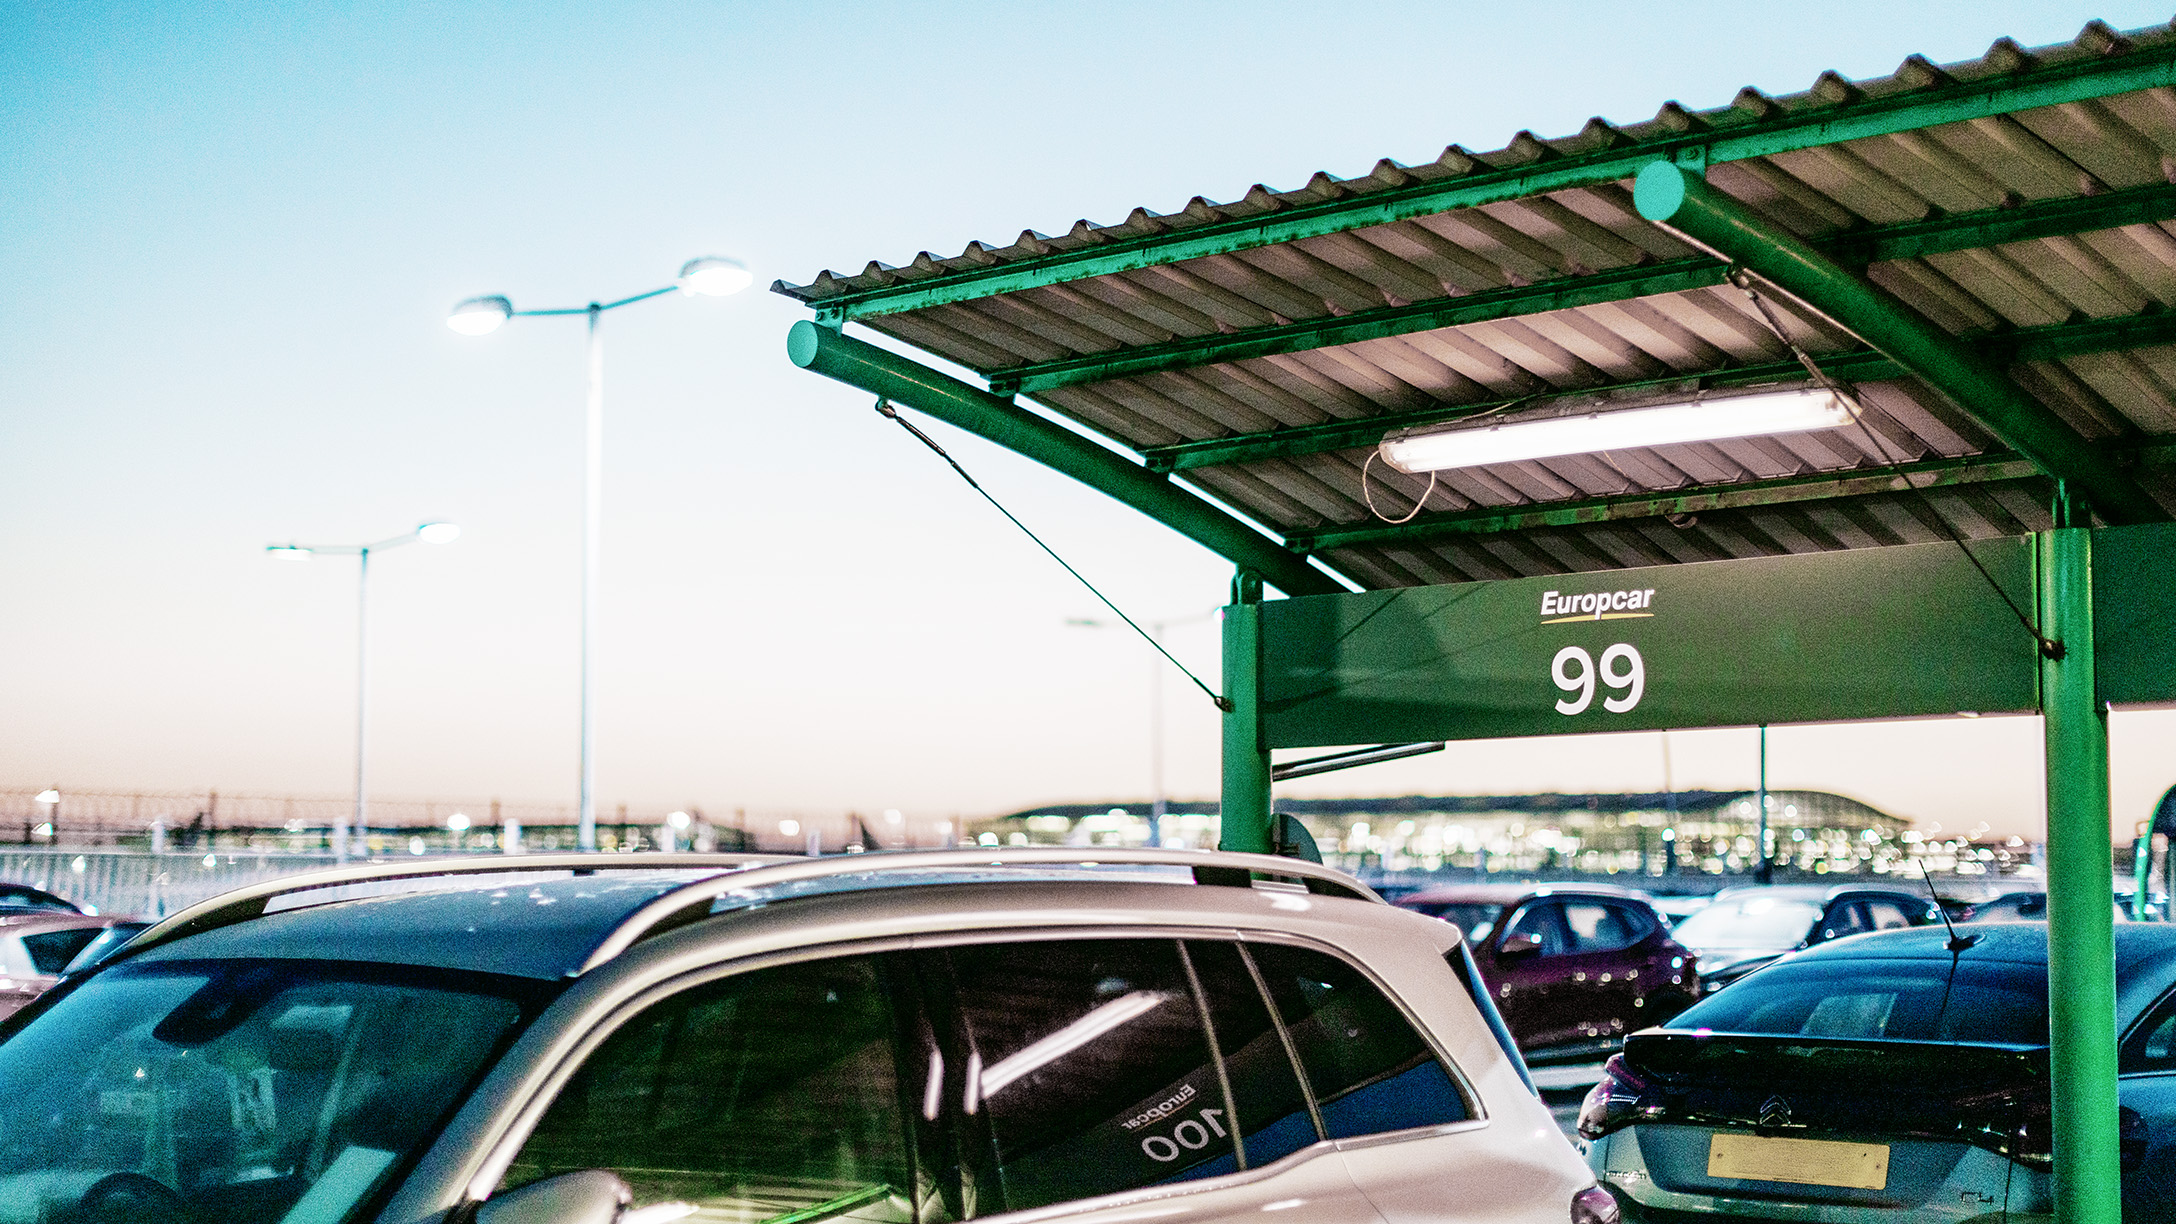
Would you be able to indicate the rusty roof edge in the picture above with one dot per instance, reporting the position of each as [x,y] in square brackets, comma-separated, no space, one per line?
[2100,62]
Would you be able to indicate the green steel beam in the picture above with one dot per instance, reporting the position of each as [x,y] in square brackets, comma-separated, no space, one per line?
[1808,127]
[1244,809]
[882,372]
[2027,344]
[2088,1172]
[1671,195]
[1928,474]
[1954,232]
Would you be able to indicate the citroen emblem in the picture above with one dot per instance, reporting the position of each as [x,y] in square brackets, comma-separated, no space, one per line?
[1775,1111]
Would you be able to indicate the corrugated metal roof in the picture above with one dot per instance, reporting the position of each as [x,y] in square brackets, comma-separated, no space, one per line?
[2047,231]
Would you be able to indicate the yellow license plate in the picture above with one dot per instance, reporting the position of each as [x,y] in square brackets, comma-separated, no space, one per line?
[1806,1162]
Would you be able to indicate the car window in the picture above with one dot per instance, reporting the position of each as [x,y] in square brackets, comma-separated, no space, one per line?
[1598,926]
[1369,1071]
[1088,1067]
[770,1093]
[2152,1046]
[1989,1001]
[15,958]
[1759,922]
[1843,918]
[1274,1117]
[50,951]
[252,1091]
[1545,922]
[1887,915]
[1474,918]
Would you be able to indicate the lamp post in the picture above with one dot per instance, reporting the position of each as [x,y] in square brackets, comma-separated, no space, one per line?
[429,533]
[1155,711]
[709,275]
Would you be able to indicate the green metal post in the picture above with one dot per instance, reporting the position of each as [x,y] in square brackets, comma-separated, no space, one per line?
[2081,932]
[1246,763]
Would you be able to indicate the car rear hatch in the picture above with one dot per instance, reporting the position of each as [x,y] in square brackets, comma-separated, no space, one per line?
[1903,1125]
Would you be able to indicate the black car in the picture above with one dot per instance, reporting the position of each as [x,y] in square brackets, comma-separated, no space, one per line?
[24,897]
[1745,928]
[1881,1077]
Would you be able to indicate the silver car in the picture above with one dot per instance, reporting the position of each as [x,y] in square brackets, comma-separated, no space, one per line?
[1005,1034]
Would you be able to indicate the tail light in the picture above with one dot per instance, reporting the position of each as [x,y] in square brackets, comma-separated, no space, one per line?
[1611,1104]
[1595,1205]
[2017,1122]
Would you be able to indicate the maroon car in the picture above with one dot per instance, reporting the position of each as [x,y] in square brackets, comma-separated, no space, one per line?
[1574,967]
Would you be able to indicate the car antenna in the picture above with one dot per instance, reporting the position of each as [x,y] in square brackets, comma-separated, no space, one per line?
[1957,943]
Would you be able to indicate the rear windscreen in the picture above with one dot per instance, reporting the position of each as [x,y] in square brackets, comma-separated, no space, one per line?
[1904,1000]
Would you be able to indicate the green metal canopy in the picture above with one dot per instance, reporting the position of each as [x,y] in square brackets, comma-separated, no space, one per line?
[1984,252]
[2011,215]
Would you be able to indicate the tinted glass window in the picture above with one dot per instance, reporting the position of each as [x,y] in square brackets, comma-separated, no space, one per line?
[1370,1072]
[1598,926]
[1474,918]
[51,951]
[1887,915]
[764,1094]
[1907,1000]
[1274,1120]
[2153,1046]
[1543,921]
[253,1092]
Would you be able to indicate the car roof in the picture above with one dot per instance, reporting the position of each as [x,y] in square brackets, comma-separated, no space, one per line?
[1505,894]
[1817,892]
[2145,952]
[31,921]
[547,922]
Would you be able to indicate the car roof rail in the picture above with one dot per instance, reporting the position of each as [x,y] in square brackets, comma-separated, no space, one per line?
[251,901]
[693,902]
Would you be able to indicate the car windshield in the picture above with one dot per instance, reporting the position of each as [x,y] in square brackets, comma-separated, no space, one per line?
[1475,918]
[1909,1000]
[249,1092]
[1749,922]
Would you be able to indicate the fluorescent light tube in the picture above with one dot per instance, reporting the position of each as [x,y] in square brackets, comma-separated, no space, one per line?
[1708,420]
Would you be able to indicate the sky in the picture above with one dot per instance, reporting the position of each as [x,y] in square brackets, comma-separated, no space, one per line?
[229,235]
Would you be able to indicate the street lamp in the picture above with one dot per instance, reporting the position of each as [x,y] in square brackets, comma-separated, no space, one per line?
[708,275]
[1155,709]
[428,533]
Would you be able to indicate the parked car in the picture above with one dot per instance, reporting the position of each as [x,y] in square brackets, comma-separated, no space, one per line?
[2020,906]
[1573,968]
[36,947]
[1881,1078]
[925,1036]
[23,896]
[1746,928]
[109,941]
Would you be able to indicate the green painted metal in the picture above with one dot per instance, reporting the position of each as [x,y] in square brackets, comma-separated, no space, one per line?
[2026,344]
[1728,141]
[1952,232]
[1864,633]
[2134,621]
[1245,805]
[902,381]
[1930,474]
[1669,195]
[2081,932]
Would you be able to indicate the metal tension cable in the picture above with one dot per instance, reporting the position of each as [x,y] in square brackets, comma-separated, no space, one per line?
[884,407]
[2049,648]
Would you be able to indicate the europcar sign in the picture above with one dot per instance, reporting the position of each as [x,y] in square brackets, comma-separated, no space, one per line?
[1871,633]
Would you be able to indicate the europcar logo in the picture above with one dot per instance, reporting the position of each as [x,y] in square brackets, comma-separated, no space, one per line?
[1557,609]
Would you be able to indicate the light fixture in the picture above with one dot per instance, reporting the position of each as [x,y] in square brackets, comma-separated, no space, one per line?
[714,276]
[679,820]
[48,795]
[1582,430]
[457,822]
[438,533]
[478,316]
[289,552]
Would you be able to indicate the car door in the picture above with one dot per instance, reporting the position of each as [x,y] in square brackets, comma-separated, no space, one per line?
[1080,1076]
[1532,978]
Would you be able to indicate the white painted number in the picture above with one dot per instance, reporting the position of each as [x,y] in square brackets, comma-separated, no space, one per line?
[1189,1134]
[1633,681]
[1583,683]
[1574,672]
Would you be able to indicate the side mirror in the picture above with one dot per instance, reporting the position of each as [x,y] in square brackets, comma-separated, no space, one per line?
[591,1196]
[1519,945]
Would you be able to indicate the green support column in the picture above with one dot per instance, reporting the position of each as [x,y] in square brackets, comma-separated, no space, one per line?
[2081,932]
[1246,763]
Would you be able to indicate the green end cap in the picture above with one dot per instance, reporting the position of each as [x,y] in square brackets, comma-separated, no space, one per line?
[1659,191]
[802,342]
